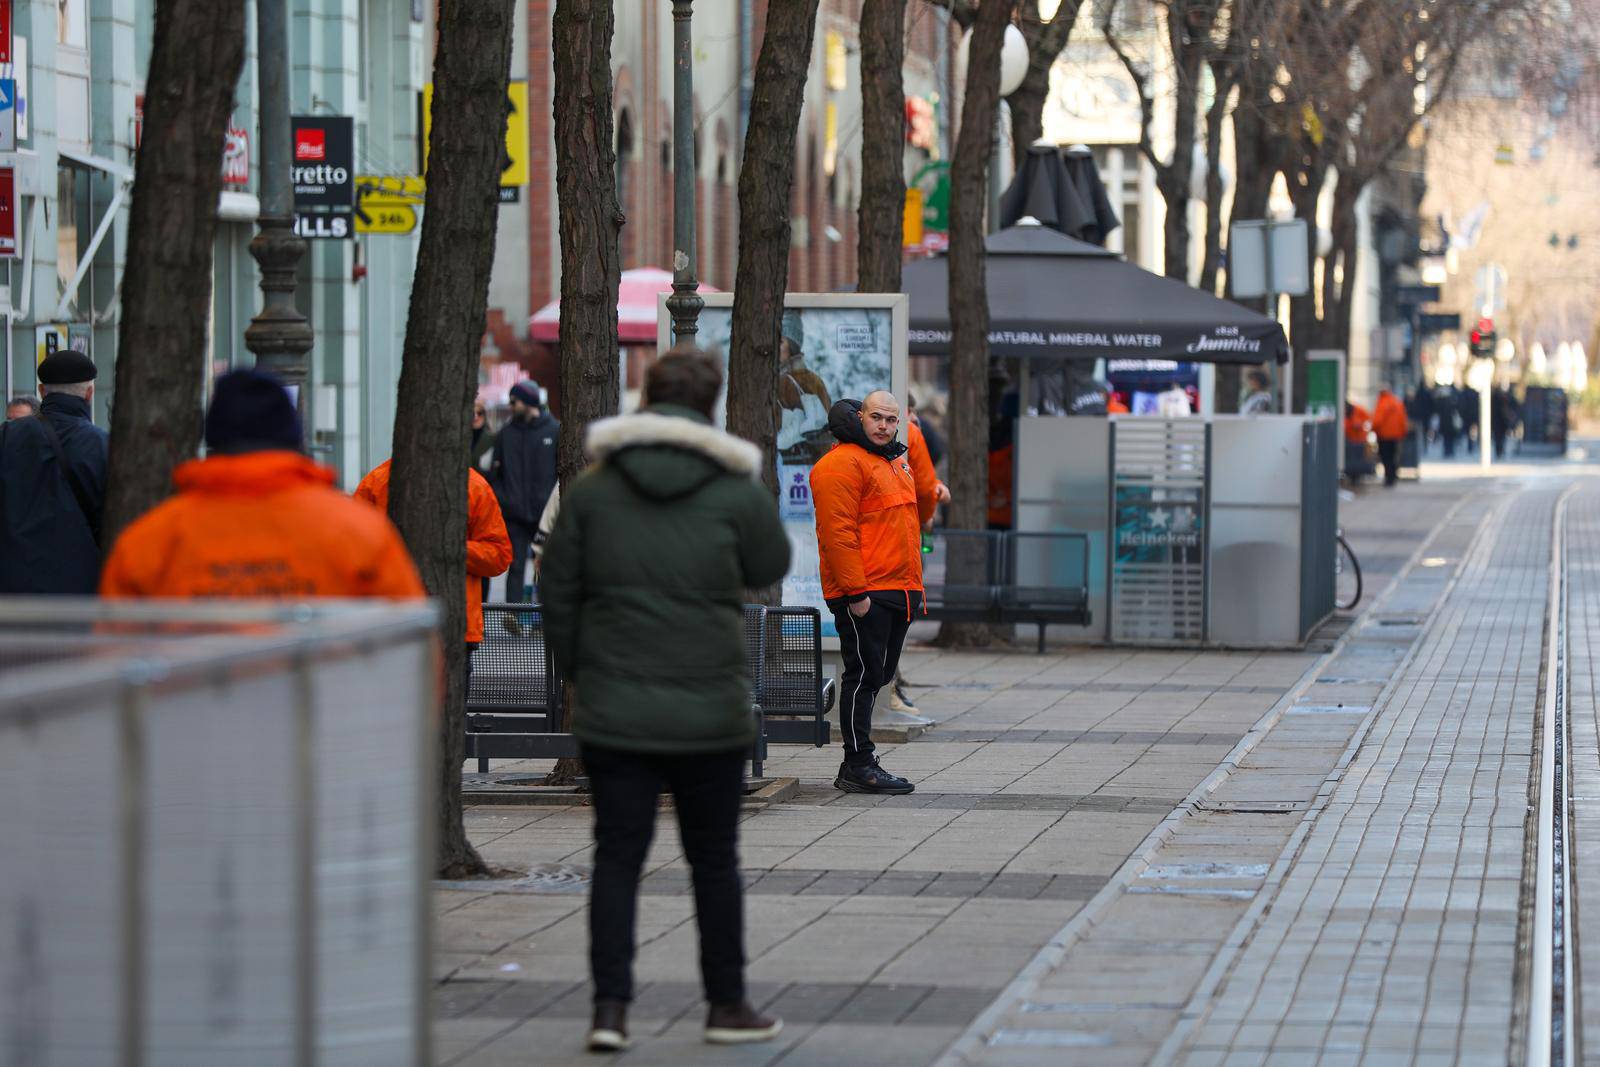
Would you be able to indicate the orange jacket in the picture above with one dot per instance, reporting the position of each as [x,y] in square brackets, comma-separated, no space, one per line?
[869,534]
[1389,417]
[1356,425]
[488,543]
[261,524]
[1114,405]
[922,473]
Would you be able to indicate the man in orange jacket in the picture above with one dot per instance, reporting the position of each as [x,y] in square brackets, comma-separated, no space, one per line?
[869,539]
[488,541]
[1390,426]
[257,518]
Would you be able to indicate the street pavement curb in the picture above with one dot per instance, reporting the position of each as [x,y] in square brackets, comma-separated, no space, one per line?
[967,1050]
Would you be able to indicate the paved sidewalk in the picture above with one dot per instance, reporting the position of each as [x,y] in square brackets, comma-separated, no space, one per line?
[880,928]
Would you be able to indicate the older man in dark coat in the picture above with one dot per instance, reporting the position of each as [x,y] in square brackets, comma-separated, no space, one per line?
[53,485]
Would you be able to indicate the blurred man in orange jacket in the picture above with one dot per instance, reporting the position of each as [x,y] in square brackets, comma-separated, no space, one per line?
[1390,425]
[869,537]
[257,518]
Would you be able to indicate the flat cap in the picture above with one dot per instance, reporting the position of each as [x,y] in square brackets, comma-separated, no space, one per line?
[67,367]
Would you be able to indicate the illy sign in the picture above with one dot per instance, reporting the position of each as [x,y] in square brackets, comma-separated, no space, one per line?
[324,176]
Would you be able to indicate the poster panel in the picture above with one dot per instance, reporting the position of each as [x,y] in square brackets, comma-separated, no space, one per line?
[835,345]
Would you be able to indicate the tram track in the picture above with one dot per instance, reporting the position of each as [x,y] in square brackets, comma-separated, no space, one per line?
[1550,1013]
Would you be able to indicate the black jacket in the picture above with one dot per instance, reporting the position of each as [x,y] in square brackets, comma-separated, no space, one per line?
[47,542]
[524,470]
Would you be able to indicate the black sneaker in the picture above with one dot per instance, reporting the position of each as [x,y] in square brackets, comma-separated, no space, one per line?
[609,1030]
[739,1024]
[871,778]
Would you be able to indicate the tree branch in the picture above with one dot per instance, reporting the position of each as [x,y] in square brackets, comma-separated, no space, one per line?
[1141,84]
[963,11]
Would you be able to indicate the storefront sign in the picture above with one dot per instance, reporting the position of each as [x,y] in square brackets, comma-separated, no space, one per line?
[235,155]
[5,31]
[8,115]
[514,167]
[388,204]
[9,248]
[324,176]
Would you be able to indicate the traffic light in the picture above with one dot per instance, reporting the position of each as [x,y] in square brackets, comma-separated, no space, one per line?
[1483,339]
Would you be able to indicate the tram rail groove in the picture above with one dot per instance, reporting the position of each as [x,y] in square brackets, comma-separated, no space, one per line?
[1551,1019]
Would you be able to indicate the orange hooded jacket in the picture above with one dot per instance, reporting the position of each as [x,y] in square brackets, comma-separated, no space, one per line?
[1356,425]
[488,543]
[1389,417]
[922,472]
[869,525]
[260,524]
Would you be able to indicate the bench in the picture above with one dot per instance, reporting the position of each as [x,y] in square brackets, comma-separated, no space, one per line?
[516,703]
[1007,578]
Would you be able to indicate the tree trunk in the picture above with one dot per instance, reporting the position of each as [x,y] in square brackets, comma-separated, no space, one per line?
[883,174]
[1216,115]
[1046,41]
[1173,180]
[968,424]
[1306,329]
[1339,306]
[439,368]
[766,180]
[590,226]
[195,58]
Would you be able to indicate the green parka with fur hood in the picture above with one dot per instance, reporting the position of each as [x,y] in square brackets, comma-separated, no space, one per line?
[644,578]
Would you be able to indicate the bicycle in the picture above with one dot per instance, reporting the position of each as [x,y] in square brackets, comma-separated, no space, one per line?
[1346,575]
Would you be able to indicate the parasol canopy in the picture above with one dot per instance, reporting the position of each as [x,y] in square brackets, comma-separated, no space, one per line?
[636,308]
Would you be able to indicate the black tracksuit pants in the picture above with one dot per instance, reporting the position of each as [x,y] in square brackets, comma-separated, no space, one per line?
[706,790]
[870,646]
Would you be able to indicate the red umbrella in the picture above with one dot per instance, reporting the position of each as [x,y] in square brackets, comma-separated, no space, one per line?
[636,308]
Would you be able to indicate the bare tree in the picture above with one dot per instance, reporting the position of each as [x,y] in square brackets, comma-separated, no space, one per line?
[883,175]
[766,180]
[195,58]
[968,423]
[439,369]
[590,225]
[1187,27]
[1046,41]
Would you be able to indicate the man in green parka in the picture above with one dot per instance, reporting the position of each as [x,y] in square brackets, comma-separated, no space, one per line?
[642,585]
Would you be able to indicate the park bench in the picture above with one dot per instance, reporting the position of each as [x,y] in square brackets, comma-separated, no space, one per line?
[1007,578]
[516,704]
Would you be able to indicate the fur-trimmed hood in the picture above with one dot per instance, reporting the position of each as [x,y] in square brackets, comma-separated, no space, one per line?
[668,452]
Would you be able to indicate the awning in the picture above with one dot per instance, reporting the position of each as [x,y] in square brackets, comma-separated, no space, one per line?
[636,308]
[1051,297]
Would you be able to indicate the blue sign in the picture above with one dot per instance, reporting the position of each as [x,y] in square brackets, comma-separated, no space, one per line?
[8,115]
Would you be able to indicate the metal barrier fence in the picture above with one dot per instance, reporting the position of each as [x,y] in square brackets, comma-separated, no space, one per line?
[217,833]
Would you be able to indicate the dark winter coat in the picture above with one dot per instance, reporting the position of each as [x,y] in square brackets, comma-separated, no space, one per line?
[47,541]
[524,469]
[644,577]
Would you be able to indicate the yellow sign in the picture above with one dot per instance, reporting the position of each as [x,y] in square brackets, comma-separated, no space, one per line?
[50,338]
[830,138]
[514,165]
[388,204]
[836,68]
[911,228]
[1312,123]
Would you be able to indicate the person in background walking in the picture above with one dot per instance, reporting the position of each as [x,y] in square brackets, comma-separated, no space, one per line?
[1390,426]
[1419,412]
[488,545]
[920,452]
[642,585]
[1467,408]
[257,518]
[1259,400]
[869,538]
[53,485]
[523,474]
[20,407]
[482,453]
[1447,407]
[1503,418]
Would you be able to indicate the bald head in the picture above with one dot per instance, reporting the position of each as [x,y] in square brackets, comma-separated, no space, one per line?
[880,416]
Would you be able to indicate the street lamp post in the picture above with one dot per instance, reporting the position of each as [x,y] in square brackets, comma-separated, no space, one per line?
[685,303]
[279,336]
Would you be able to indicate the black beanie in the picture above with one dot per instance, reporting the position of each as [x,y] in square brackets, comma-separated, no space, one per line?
[251,412]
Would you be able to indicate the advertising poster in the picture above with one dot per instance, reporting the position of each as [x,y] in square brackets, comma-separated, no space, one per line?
[834,345]
[324,176]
